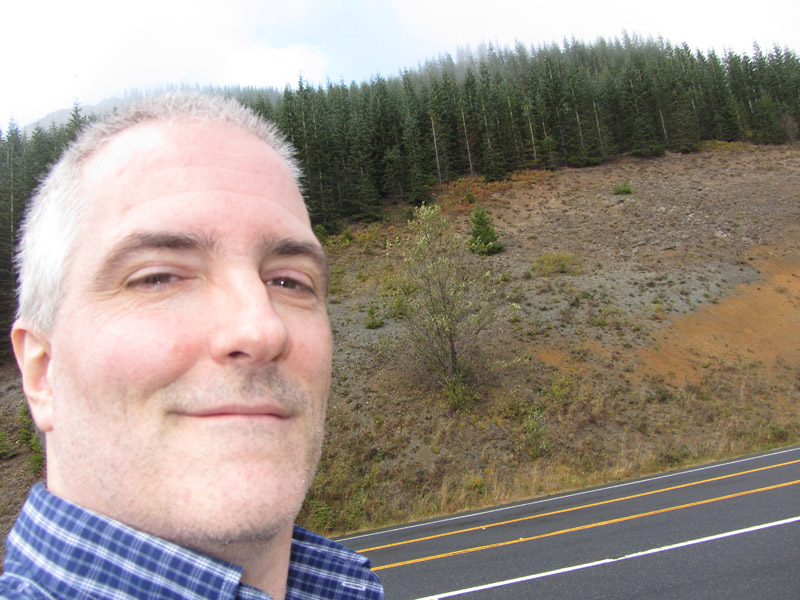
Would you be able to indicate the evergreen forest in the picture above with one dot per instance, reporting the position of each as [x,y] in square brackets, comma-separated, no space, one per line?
[485,113]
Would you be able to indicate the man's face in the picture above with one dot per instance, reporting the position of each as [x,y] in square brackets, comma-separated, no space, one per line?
[191,356]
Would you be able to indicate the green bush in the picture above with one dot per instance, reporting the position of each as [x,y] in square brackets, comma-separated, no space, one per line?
[374,319]
[7,449]
[534,440]
[484,237]
[321,233]
[623,188]
[447,302]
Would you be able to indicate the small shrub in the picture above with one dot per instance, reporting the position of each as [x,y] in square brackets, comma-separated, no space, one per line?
[533,442]
[513,406]
[370,238]
[623,188]
[335,280]
[475,483]
[560,389]
[321,233]
[484,237]
[459,397]
[556,262]
[7,449]
[374,319]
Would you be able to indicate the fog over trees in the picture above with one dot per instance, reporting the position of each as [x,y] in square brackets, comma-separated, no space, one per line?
[485,113]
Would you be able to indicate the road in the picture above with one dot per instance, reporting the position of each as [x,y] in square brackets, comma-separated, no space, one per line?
[727,530]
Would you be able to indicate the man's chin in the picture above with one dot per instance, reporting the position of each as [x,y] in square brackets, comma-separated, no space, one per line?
[212,537]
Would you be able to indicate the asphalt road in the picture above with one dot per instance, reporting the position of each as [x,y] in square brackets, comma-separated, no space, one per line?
[726,530]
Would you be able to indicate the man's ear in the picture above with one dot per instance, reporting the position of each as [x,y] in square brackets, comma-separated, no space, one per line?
[32,349]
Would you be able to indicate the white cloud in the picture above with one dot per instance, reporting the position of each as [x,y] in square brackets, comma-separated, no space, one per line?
[83,51]
[57,51]
[451,23]
[267,67]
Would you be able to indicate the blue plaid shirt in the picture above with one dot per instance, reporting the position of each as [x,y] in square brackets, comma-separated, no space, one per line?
[60,550]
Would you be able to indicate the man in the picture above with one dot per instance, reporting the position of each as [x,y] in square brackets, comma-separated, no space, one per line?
[175,349]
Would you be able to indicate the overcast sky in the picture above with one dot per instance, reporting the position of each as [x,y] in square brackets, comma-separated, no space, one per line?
[56,52]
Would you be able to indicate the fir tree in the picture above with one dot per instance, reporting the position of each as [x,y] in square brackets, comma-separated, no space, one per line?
[484,238]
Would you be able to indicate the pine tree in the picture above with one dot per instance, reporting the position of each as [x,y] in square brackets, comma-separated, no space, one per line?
[484,238]
[12,199]
[417,177]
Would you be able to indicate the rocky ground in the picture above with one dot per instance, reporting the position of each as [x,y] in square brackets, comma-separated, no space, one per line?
[672,337]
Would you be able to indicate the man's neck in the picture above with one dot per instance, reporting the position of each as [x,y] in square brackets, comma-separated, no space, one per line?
[265,562]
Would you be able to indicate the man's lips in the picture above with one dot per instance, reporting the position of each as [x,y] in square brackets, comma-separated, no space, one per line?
[235,410]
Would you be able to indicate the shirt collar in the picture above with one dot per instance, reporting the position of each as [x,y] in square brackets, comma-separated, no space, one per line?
[81,554]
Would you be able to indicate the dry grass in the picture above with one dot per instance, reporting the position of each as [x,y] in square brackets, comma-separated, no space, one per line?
[556,263]
[415,463]
[584,379]
[646,357]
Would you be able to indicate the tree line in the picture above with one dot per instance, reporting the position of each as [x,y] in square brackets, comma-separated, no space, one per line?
[484,113]
[503,109]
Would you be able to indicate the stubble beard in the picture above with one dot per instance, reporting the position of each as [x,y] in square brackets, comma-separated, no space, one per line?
[206,508]
[260,518]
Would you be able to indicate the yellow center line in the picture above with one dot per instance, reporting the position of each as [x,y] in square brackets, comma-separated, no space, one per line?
[583,527]
[574,508]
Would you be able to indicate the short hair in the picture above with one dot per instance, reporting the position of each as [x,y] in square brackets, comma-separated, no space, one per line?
[56,212]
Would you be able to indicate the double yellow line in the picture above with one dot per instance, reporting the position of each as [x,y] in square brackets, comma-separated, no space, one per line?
[582,527]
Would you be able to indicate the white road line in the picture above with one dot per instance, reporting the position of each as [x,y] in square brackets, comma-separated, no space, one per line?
[606,561]
[573,495]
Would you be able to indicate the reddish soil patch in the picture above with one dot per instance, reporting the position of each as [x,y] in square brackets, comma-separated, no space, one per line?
[759,324]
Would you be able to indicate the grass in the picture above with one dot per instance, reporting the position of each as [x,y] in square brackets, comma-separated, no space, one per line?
[336,278]
[33,439]
[374,318]
[622,189]
[725,147]
[7,448]
[556,406]
[460,195]
[537,429]
[556,263]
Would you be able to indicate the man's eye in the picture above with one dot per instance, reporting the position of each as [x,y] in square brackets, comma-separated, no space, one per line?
[288,283]
[155,280]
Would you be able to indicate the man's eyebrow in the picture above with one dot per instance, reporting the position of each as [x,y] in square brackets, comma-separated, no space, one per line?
[291,247]
[141,241]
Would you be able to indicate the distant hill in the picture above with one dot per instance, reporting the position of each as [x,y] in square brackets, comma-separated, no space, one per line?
[59,117]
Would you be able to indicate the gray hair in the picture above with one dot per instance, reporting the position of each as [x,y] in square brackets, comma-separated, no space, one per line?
[56,212]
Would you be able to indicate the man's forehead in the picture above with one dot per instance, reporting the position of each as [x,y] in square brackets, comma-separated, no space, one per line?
[153,156]
[122,149]
[149,141]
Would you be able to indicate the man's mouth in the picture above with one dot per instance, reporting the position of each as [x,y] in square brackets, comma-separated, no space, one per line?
[240,410]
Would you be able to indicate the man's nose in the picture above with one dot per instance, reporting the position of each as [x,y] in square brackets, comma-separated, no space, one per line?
[245,325]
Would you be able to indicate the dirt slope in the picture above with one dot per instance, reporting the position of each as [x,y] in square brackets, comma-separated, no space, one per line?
[675,339]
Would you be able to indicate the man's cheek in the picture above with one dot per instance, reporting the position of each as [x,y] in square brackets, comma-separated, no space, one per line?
[144,352]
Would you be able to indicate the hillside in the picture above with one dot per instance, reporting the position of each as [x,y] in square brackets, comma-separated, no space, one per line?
[670,338]
[674,340]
